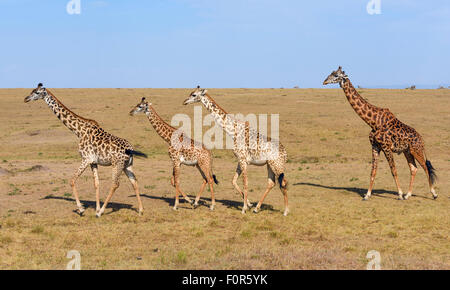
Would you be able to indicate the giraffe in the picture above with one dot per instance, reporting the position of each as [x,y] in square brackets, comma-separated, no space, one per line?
[195,154]
[96,147]
[250,148]
[388,135]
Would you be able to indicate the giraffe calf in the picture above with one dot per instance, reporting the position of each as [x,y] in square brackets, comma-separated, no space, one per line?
[182,150]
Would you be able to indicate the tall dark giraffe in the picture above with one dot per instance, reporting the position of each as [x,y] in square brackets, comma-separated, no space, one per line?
[194,154]
[388,135]
[96,147]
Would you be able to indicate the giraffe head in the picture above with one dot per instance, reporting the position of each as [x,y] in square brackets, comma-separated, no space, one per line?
[195,96]
[38,93]
[336,77]
[142,107]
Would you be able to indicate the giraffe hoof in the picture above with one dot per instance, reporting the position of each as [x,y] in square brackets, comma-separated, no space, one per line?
[286,212]
[435,197]
[175,208]
[211,208]
[243,211]
[141,212]
[250,205]
[80,211]
[195,205]
[256,210]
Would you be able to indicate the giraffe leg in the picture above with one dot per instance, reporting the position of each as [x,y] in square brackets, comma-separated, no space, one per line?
[202,188]
[205,171]
[236,186]
[270,185]
[245,178]
[176,177]
[413,168]
[375,154]
[197,198]
[130,174]
[211,188]
[419,156]
[94,168]
[283,188]
[77,174]
[390,159]
[117,169]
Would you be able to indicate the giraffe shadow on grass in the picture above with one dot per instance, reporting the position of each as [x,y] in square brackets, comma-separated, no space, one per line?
[205,201]
[91,204]
[360,191]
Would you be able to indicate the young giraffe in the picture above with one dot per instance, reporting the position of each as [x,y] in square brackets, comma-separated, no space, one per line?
[388,135]
[195,154]
[249,148]
[96,147]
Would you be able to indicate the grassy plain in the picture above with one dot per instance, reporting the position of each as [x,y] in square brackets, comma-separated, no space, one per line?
[329,227]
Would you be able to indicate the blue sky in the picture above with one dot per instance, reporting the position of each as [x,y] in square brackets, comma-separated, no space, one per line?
[223,43]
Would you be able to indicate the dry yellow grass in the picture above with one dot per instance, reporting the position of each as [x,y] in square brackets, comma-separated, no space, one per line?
[329,227]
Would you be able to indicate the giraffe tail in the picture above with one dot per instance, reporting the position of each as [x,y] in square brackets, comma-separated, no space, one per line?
[135,153]
[215,179]
[431,172]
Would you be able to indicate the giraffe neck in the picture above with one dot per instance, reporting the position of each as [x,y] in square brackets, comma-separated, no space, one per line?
[162,128]
[364,109]
[221,117]
[71,120]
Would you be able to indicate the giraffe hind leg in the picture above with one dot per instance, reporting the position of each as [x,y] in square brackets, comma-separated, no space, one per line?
[427,167]
[413,169]
[270,185]
[130,174]
[390,159]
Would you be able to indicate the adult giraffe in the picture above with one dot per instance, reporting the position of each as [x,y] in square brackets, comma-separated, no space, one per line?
[96,147]
[249,147]
[388,135]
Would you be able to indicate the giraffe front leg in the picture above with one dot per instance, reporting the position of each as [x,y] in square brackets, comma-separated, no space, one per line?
[94,168]
[176,177]
[77,174]
[390,159]
[375,155]
[245,178]
[236,186]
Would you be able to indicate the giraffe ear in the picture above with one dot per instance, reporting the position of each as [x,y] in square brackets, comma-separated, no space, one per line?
[143,99]
[204,91]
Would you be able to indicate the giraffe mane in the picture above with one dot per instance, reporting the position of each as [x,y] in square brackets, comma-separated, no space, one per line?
[215,104]
[76,115]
